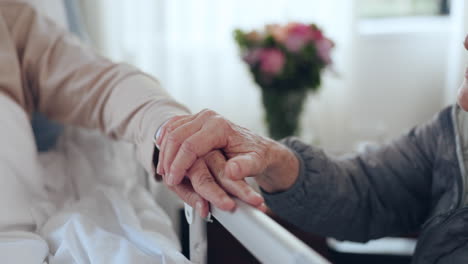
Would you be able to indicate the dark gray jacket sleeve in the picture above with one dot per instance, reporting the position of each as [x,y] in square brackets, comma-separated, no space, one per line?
[381,192]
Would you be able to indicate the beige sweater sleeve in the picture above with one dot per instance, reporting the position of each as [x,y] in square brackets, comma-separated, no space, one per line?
[70,83]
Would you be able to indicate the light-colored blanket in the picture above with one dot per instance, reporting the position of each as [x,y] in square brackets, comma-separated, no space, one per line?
[97,210]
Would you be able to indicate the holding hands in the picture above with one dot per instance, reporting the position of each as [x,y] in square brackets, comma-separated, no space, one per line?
[192,161]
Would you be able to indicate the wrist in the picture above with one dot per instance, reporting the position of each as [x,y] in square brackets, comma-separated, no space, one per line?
[282,168]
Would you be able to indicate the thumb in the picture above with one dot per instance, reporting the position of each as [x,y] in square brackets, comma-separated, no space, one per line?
[244,165]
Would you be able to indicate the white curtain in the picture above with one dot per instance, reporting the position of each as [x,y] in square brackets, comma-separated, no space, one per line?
[188,45]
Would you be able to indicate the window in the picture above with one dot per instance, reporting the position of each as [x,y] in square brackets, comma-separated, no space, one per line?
[392,8]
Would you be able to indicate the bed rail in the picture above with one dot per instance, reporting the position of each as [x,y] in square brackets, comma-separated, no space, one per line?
[262,236]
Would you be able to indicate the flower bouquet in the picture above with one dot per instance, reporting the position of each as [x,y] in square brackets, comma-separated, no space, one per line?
[286,62]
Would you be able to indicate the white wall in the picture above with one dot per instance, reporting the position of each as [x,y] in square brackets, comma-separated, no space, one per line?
[399,76]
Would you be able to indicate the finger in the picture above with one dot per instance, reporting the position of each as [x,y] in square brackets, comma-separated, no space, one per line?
[243,166]
[206,186]
[168,140]
[168,128]
[186,192]
[180,120]
[216,161]
[165,126]
[263,208]
[208,138]
[160,144]
[243,191]
[159,168]
[175,138]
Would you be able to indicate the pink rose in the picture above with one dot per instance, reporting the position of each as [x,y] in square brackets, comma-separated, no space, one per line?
[295,43]
[298,35]
[324,47]
[272,61]
[317,34]
[299,29]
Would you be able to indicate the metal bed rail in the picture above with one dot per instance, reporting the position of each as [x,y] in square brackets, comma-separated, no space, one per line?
[262,236]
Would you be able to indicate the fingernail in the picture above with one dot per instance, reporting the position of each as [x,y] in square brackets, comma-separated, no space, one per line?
[255,195]
[170,179]
[228,201]
[198,207]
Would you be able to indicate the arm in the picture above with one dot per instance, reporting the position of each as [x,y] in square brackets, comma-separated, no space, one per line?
[71,84]
[383,191]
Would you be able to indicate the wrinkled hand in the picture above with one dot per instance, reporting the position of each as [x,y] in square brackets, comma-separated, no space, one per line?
[185,139]
[205,182]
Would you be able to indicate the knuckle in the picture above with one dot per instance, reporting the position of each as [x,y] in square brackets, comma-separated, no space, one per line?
[188,147]
[205,182]
[169,128]
[219,121]
[204,112]
[228,128]
[208,113]
[172,138]
[175,118]
[211,112]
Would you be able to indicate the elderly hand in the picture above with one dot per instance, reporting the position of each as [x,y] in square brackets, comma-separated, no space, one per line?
[185,139]
[205,182]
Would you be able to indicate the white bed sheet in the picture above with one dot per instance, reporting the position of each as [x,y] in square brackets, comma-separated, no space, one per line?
[96,210]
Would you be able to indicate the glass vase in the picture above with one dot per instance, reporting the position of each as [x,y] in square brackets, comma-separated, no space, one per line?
[283,110]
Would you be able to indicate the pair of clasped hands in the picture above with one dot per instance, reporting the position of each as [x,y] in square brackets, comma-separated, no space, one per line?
[205,159]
